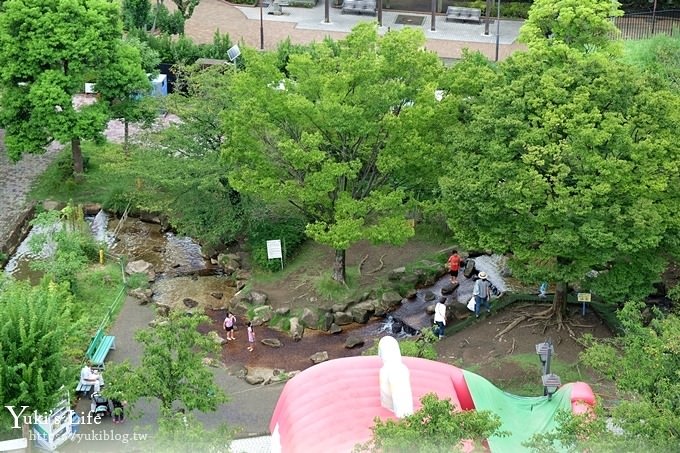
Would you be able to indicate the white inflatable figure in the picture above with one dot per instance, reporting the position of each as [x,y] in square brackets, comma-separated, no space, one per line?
[395,379]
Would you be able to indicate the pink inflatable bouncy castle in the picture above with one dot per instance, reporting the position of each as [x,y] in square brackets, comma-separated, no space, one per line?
[331,406]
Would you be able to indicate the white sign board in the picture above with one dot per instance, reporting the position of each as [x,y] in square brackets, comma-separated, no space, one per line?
[584,297]
[274,249]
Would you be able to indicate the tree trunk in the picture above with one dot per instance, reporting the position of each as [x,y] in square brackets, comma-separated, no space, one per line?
[559,306]
[126,135]
[487,18]
[77,155]
[339,266]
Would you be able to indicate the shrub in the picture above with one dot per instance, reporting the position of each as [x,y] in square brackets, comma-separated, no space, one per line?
[287,227]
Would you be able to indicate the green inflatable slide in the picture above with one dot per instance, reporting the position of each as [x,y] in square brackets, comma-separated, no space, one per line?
[521,416]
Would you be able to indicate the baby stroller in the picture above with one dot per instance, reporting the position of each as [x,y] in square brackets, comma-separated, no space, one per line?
[100,405]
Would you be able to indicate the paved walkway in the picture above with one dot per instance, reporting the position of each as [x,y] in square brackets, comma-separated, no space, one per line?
[304,25]
[249,408]
[16,180]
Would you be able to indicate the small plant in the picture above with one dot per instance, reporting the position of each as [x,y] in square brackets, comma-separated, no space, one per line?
[138,280]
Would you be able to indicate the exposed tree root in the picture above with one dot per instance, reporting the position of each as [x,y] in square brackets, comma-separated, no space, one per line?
[510,327]
[512,348]
[382,264]
[362,263]
[545,318]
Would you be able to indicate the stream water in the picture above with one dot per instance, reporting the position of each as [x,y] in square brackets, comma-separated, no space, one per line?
[184,276]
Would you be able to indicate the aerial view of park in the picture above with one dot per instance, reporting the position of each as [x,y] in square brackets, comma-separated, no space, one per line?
[339,226]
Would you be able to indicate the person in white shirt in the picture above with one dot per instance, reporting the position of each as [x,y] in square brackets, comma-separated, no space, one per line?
[440,316]
[88,376]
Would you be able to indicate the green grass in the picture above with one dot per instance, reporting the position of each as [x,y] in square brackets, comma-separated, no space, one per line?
[105,175]
[329,289]
[528,381]
[305,262]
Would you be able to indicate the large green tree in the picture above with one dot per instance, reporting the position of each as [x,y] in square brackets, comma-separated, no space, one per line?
[125,87]
[171,368]
[582,24]
[569,163]
[48,50]
[34,326]
[332,131]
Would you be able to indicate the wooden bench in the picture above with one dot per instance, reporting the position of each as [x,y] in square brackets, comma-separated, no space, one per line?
[463,14]
[359,7]
[99,348]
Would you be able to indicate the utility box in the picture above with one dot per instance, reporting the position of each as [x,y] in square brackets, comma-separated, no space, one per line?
[160,85]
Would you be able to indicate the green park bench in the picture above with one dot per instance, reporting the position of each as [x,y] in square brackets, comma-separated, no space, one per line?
[99,348]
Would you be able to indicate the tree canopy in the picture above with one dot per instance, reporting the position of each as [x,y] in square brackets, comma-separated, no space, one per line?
[48,50]
[333,130]
[34,326]
[437,426]
[569,164]
[171,368]
[582,24]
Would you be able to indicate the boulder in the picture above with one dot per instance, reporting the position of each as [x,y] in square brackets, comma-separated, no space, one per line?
[362,312]
[309,318]
[340,306]
[429,296]
[411,294]
[262,314]
[52,205]
[138,267]
[319,357]
[162,309]
[449,288]
[353,341]
[189,302]
[391,298]
[209,361]
[397,326]
[458,311]
[240,299]
[297,330]
[260,375]
[230,262]
[379,308]
[258,297]
[143,296]
[271,342]
[335,329]
[342,318]
[214,336]
[430,309]
[396,274]
[469,268]
[282,311]
[326,320]
[254,380]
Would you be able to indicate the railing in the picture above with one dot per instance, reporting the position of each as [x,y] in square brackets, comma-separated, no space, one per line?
[645,24]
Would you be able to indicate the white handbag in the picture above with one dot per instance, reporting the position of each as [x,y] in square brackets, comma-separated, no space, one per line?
[471,304]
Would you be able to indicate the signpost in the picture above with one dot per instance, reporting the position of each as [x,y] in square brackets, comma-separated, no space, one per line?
[275,251]
[584,298]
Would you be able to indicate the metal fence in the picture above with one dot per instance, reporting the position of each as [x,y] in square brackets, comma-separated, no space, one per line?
[645,24]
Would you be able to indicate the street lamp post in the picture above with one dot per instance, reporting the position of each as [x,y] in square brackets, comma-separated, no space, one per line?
[498,27]
[261,27]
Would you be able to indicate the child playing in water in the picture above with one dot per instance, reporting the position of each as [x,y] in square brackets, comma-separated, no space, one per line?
[251,336]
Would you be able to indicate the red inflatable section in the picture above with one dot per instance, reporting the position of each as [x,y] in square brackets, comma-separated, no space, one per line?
[582,398]
[331,406]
